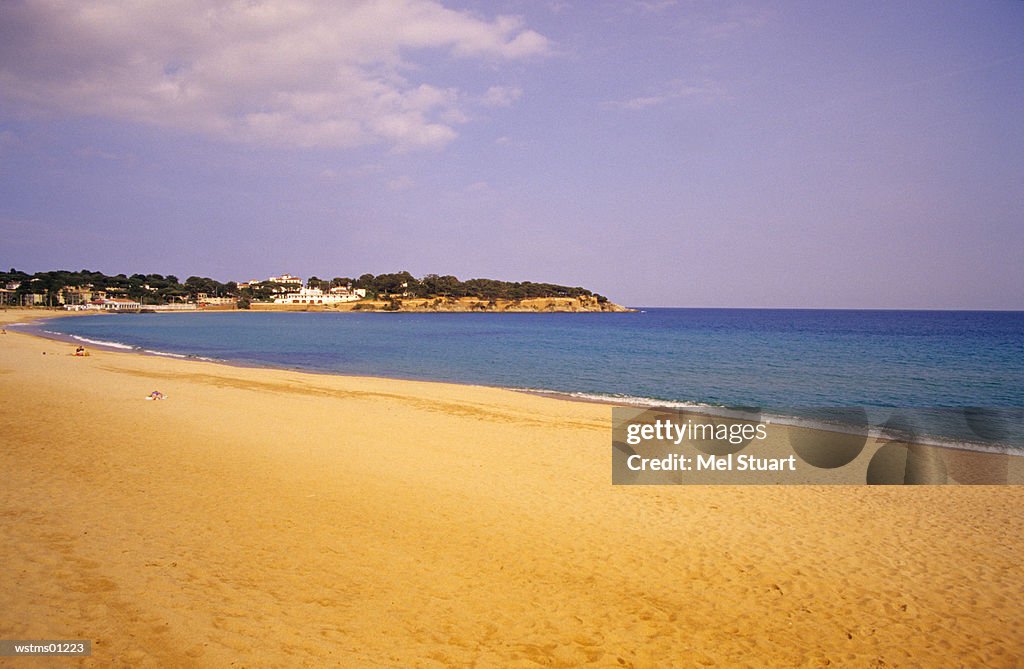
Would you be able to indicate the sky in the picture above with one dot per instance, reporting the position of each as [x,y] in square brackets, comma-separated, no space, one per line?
[851,154]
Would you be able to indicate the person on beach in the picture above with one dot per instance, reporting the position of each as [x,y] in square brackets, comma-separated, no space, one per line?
[156,395]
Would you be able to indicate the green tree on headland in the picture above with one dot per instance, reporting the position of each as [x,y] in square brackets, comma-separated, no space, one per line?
[54,287]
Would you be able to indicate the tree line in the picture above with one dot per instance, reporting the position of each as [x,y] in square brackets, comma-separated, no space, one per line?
[144,288]
[161,289]
[404,284]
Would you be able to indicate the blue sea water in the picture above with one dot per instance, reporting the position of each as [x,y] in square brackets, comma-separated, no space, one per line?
[771,359]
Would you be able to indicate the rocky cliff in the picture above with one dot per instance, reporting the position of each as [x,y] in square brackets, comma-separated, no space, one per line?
[464,305]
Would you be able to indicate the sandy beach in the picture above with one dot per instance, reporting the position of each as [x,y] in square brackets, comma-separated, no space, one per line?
[271,518]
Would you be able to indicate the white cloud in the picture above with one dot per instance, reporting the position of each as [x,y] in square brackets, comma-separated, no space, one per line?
[325,73]
[501,96]
[706,91]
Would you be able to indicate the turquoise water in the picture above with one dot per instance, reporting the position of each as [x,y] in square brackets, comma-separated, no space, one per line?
[771,359]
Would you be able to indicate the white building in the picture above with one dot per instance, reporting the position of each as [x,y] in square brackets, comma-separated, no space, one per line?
[203,298]
[287,282]
[317,296]
[111,304]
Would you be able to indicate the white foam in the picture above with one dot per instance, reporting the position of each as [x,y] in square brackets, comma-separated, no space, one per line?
[167,355]
[611,398]
[100,342]
[180,356]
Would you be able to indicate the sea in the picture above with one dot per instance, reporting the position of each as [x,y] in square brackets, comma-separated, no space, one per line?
[952,377]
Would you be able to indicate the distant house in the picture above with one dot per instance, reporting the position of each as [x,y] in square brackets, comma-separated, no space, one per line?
[118,304]
[346,291]
[204,299]
[286,279]
[7,296]
[77,295]
[286,283]
[317,296]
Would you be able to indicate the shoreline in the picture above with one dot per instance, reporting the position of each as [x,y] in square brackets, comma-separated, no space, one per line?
[279,518]
[794,420]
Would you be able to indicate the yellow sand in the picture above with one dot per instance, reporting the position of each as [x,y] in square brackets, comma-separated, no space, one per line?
[271,518]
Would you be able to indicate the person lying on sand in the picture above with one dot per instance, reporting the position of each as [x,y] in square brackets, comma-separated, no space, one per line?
[156,395]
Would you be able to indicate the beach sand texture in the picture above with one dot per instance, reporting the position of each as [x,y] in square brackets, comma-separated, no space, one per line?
[269,518]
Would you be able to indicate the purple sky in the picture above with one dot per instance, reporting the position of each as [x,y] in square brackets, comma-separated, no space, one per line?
[774,154]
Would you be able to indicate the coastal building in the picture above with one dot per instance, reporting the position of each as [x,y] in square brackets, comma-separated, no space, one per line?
[286,283]
[209,300]
[317,296]
[72,295]
[117,304]
[347,290]
[104,304]
[286,279]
